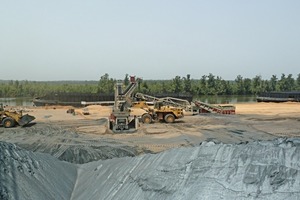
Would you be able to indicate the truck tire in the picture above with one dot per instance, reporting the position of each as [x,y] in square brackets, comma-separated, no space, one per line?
[8,122]
[146,118]
[169,118]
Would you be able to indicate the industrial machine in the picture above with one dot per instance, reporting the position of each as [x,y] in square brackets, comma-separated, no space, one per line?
[120,119]
[219,109]
[159,112]
[188,107]
[10,119]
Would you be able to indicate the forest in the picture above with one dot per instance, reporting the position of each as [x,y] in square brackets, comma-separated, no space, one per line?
[206,85]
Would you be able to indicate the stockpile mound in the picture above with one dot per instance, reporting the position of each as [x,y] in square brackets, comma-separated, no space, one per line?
[68,145]
[27,175]
[256,170]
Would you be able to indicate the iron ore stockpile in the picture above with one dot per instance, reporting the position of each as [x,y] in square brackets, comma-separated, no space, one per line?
[256,170]
[254,154]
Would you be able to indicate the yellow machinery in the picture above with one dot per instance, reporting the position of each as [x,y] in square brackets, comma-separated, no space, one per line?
[121,120]
[160,112]
[10,119]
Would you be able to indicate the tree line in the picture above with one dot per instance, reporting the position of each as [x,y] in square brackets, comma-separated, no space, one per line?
[206,85]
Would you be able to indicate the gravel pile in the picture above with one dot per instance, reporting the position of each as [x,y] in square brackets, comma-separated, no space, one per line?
[256,170]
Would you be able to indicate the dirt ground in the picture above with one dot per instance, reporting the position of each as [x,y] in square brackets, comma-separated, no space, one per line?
[80,138]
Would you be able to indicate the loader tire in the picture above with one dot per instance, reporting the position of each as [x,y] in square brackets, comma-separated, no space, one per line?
[146,118]
[8,122]
[169,118]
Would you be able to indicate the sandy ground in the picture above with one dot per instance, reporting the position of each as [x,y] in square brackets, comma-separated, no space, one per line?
[66,135]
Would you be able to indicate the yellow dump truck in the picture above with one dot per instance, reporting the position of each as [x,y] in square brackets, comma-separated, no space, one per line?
[160,112]
[10,119]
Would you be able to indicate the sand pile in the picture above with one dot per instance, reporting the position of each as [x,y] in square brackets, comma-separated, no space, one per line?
[256,170]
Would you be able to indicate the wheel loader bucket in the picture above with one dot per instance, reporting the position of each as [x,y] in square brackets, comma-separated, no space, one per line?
[25,119]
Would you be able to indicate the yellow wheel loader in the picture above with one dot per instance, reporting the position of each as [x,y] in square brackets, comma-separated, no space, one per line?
[10,119]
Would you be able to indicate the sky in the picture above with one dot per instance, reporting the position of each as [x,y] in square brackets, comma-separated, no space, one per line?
[157,39]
